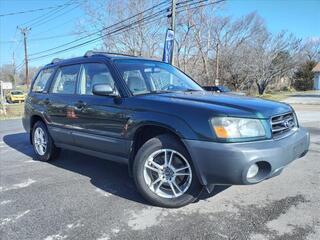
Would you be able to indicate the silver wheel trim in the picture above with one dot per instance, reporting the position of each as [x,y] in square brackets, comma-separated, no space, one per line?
[40,141]
[176,189]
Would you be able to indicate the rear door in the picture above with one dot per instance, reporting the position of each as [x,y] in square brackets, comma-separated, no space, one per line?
[36,100]
[100,120]
[61,96]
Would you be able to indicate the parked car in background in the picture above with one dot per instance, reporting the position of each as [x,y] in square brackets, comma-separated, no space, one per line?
[176,138]
[221,89]
[15,96]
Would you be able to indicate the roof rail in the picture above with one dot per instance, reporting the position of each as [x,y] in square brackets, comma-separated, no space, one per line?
[55,60]
[121,54]
[91,53]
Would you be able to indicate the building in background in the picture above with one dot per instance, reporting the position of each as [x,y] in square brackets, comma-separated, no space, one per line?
[316,79]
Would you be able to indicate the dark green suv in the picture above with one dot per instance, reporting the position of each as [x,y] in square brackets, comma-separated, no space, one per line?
[175,137]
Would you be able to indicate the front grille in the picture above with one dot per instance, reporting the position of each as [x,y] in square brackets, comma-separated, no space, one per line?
[282,124]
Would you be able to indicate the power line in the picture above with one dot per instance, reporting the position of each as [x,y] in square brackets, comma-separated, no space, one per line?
[53,37]
[14,37]
[183,3]
[103,29]
[118,29]
[43,16]
[33,10]
[199,6]
[53,16]
[5,42]
[41,39]
[95,40]
[57,26]
[20,66]
[100,37]
[63,24]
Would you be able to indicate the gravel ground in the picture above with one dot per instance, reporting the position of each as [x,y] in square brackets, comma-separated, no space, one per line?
[81,197]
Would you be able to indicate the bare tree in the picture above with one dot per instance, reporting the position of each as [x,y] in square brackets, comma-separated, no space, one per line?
[144,38]
[311,50]
[235,39]
[248,52]
[8,73]
[22,74]
[273,56]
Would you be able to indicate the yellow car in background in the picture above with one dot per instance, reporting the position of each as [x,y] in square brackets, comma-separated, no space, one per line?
[15,96]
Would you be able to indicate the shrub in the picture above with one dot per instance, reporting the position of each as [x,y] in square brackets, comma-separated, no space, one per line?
[303,77]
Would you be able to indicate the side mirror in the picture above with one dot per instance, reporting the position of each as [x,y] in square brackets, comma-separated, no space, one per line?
[102,90]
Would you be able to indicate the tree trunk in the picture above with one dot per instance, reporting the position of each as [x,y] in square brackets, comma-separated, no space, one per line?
[261,88]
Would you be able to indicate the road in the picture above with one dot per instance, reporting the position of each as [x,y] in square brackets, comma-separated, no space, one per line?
[81,197]
[309,97]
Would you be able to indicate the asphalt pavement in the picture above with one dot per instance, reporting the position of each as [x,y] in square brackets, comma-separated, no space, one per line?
[82,197]
[308,98]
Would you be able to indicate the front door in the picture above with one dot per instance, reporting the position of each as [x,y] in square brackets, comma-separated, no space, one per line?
[99,121]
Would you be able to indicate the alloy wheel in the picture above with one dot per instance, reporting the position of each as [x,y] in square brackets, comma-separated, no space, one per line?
[40,141]
[167,173]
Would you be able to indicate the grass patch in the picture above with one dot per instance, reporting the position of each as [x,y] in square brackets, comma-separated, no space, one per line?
[12,111]
[281,95]
[275,96]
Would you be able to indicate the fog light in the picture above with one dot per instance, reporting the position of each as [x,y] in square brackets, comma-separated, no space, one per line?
[252,171]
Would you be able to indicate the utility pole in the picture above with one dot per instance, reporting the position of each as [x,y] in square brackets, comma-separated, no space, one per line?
[173,23]
[25,32]
[217,65]
[173,14]
[13,70]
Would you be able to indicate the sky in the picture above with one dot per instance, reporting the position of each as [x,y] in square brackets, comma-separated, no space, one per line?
[300,17]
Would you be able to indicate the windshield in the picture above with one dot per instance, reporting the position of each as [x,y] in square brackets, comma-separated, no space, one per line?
[143,77]
[224,89]
[17,93]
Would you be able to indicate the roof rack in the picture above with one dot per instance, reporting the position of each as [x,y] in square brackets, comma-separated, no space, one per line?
[91,53]
[121,54]
[55,60]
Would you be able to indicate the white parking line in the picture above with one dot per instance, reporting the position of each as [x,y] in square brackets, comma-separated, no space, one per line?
[5,202]
[18,185]
[7,220]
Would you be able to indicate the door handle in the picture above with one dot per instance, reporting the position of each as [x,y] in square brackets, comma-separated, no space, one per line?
[80,104]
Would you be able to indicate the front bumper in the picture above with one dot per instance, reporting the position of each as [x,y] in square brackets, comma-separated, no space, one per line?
[228,163]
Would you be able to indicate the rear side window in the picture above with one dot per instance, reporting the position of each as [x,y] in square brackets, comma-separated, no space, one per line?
[41,81]
[65,80]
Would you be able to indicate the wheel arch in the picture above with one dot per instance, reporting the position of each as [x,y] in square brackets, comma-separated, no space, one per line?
[148,131]
[145,132]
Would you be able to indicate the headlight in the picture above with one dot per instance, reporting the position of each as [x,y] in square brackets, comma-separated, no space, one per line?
[230,127]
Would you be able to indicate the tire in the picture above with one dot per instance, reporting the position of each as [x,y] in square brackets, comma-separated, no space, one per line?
[48,153]
[164,196]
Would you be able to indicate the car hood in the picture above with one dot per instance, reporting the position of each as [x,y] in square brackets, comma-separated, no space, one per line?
[226,104]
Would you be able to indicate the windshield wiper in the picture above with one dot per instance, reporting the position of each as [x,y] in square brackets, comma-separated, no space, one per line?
[191,90]
[160,91]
